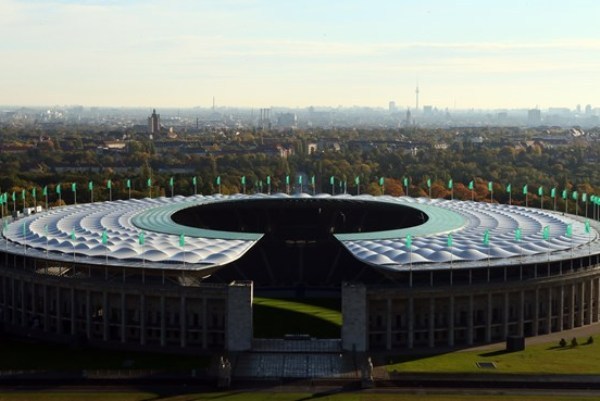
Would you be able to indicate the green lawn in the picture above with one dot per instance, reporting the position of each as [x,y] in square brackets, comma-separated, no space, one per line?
[542,358]
[273,318]
[16,354]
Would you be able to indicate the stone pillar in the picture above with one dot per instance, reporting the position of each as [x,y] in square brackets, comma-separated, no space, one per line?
[163,323]
[589,301]
[239,316]
[183,322]
[142,319]
[34,308]
[506,316]
[105,316]
[59,318]
[470,321]
[46,312]
[13,300]
[549,312]
[571,316]
[431,334]
[388,331]
[88,314]
[123,316]
[521,314]
[23,303]
[204,323]
[535,324]
[73,312]
[597,299]
[488,319]
[581,304]
[561,308]
[451,322]
[5,298]
[410,338]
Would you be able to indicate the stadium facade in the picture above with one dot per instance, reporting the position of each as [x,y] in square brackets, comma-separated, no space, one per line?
[179,273]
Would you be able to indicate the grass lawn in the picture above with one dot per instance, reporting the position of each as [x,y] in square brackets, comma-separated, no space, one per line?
[541,358]
[31,355]
[276,396]
[273,318]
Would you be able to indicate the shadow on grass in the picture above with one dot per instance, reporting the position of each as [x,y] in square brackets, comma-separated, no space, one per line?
[270,322]
[496,353]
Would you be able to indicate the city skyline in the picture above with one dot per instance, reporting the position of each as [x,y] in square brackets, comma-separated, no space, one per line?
[254,53]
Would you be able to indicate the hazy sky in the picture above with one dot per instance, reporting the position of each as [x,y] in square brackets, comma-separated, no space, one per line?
[260,53]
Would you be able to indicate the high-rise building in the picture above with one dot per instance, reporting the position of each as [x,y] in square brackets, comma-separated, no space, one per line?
[534,117]
[154,123]
[392,106]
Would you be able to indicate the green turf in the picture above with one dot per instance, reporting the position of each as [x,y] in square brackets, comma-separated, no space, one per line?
[541,358]
[273,318]
[30,355]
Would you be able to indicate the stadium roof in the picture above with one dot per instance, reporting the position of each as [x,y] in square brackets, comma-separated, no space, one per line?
[141,232]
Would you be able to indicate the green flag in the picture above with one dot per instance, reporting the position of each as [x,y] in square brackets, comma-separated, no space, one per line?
[90,185]
[381,181]
[450,183]
[564,194]
[486,237]
[575,195]
[45,190]
[33,193]
[405,182]
[104,238]
[408,241]
[471,185]
[141,238]
[181,240]
[22,194]
[171,182]
[194,181]
[490,186]
[300,180]
[312,181]
[331,180]
[287,180]
[14,196]
[587,226]
[546,233]
[553,193]
[268,180]
[58,190]
[518,234]
[218,181]
[149,182]
[109,184]
[541,191]
[449,242]
[74,187]
[584,197]
[357,180]
[508,188]
[73,234]
[525,189]
[569,232]
[429,183]
[128,183]
[243,180]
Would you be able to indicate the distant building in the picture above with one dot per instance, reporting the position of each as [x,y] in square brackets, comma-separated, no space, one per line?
[154,123]
[534,117]
[392,106]
[287,120]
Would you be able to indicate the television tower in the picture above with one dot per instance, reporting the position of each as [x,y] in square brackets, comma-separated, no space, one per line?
[417,98]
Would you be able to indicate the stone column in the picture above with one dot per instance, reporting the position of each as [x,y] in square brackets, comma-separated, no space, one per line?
[535,324]
[561,308]
[571,317]
[431,334]
[506,316]
[589,301]
[142,319]
[5,298]
[354,317]
[73,312]
[23,303]
[521,314]
[59,326]
[488,319]
[470,321]
[239,318]
[410,335]
[451,322]
[123,316]
[13,300]
[388,332]
[105,315]
[581,304]
[204,323]
[46,312]
[88,314]
[163,323]
[183,321]
[549,311]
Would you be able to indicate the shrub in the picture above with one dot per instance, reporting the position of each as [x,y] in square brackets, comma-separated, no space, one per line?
[590,340]
[562,342]
[574,342]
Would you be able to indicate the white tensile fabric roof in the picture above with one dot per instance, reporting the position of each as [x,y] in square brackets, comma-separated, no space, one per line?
[122,221]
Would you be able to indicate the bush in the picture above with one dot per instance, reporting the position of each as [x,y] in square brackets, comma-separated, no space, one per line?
[574,342]
[562,342]
[590,340]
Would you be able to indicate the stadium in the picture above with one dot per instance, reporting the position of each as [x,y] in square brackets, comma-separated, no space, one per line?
[181,272]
